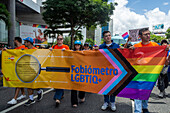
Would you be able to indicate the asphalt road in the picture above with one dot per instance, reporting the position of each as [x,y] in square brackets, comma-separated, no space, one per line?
[92,104]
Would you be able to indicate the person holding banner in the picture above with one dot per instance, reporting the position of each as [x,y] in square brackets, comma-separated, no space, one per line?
[163,78]
[29,43]
[108,44]
[18,45]
[144,34]
[74,99]
[59,94]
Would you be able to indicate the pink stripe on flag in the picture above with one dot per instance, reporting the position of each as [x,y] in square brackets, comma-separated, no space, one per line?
[115,66]
[125,34]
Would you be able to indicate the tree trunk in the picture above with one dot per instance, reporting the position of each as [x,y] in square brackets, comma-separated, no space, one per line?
[72,38]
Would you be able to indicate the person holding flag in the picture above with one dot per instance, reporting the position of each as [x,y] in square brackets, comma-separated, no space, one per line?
[108,44]
[144,34]
[18,45]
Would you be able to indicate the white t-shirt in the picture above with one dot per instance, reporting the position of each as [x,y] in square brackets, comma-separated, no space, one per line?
[108,44]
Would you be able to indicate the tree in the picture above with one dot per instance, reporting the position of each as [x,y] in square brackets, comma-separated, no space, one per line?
[4,15]
[168,34]
[156,39]
[76,14]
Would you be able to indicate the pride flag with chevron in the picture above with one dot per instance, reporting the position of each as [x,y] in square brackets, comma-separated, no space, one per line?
[148,62]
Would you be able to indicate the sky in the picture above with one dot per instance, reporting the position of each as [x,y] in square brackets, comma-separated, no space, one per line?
[134,14]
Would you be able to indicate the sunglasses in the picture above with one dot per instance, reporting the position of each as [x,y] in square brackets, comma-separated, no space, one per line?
[59,38]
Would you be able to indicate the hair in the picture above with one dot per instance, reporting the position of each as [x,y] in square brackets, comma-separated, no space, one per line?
[79,49]
[18,39]
[105,32]
[164,41]
[59,35]
[142,30]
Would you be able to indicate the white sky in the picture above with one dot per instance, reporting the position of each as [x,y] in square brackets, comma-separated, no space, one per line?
[125,19]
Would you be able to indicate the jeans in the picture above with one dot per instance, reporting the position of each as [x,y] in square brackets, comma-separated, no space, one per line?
[139,105]
[58,94]
[74,99]
[109,98]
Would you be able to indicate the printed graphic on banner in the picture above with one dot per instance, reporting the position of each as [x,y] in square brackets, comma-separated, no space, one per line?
[103,72]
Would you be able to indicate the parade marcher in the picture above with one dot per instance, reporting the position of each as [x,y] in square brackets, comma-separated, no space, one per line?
[29,44]
[108,44]
[59,94]
[18,45]
[86,46]
[163,78]
[74,99]
[144,34]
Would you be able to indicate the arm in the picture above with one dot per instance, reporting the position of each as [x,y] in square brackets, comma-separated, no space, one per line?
[129,38]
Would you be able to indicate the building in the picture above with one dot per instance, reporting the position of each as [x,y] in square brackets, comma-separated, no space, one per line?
[26,19]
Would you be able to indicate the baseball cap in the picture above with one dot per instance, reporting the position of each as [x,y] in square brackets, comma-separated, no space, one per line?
[86,43]
[29,39]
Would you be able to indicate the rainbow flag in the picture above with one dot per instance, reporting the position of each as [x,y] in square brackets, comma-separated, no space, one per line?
[125,35]
[148,62]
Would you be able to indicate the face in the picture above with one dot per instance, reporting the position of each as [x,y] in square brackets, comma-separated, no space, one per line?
[164,44]
[77,46]
[86,46]
[145,36]
[60,39]
[26,43]
[39,30]
[15,42]
[107,37]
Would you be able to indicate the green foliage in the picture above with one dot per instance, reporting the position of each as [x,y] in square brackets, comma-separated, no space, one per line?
[156,39]
[90,41]
[67,41]
[102,41]
[76,13]
[4,15]
[78,36]
[168,33]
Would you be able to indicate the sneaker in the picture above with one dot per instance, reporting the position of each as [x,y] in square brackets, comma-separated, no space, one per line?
[161,95]
[12,102]
[57,103]
[105,106]
[112,106]
[21,97]
[40,95]
[29,102]
[145,110]
[165,93]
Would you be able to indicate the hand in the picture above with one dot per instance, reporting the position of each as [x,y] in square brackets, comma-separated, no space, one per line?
[50,48]
[4,48]
[63,49]
[131,47]
[121,47]
[167,48]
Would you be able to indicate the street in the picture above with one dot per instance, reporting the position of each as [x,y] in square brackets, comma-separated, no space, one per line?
[92,104]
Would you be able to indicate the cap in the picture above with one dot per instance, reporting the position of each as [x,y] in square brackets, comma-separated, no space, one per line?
[77,42]
[86,43]
[29,39]
[95,45]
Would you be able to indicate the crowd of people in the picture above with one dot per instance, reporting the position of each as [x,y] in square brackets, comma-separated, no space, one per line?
[109,100]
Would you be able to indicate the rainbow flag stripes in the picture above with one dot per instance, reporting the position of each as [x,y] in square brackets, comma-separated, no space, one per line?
[148,62]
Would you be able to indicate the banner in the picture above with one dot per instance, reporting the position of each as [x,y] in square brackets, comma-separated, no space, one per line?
[103,71]
[148,62]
